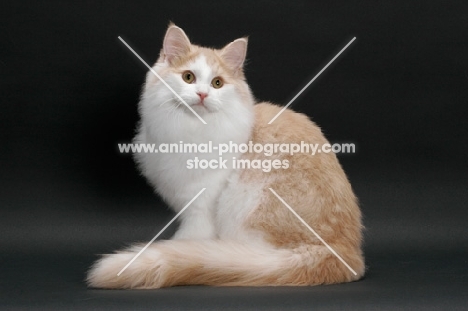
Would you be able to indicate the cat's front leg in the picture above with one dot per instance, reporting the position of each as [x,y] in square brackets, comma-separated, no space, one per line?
[196,222]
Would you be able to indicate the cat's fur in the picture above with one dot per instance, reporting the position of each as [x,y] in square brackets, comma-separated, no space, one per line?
[236,232]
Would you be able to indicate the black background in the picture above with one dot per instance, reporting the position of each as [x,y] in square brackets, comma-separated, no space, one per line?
[69,93]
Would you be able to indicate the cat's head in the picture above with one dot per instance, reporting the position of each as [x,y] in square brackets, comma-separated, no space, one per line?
[208,80]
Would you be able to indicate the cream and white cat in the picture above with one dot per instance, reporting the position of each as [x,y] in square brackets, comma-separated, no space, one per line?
[237,232]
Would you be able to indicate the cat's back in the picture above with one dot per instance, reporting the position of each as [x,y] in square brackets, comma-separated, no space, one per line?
[289,126]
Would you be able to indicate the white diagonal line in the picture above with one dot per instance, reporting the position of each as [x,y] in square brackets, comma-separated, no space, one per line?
[313,231]
[161,79]
[162,230]
[310,82]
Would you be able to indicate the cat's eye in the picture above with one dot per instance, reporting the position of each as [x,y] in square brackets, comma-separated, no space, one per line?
[188,76]
[217,82]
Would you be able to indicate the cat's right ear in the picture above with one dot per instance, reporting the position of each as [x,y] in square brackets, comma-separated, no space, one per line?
[176,44]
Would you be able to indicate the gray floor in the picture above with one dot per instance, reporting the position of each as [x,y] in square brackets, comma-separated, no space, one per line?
[415,250]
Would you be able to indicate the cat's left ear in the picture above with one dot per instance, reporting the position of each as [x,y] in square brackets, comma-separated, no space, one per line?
[234,53]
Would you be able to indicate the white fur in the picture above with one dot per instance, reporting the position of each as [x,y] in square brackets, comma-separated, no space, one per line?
[165,120]
[231,213]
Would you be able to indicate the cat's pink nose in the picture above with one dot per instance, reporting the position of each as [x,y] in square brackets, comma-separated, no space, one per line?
[202,95]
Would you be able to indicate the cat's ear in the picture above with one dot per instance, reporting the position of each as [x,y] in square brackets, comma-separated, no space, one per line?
[176,44]
[234,53]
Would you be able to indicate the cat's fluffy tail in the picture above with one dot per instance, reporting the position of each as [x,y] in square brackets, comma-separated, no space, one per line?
[222,263]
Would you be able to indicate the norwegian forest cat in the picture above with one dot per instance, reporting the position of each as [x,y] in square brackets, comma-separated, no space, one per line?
[237,232]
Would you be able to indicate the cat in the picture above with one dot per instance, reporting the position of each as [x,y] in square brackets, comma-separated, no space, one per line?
[236,232]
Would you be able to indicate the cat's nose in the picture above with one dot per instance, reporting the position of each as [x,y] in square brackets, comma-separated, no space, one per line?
[202,95]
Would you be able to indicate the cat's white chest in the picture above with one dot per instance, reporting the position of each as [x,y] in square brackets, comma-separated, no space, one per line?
[179,176]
